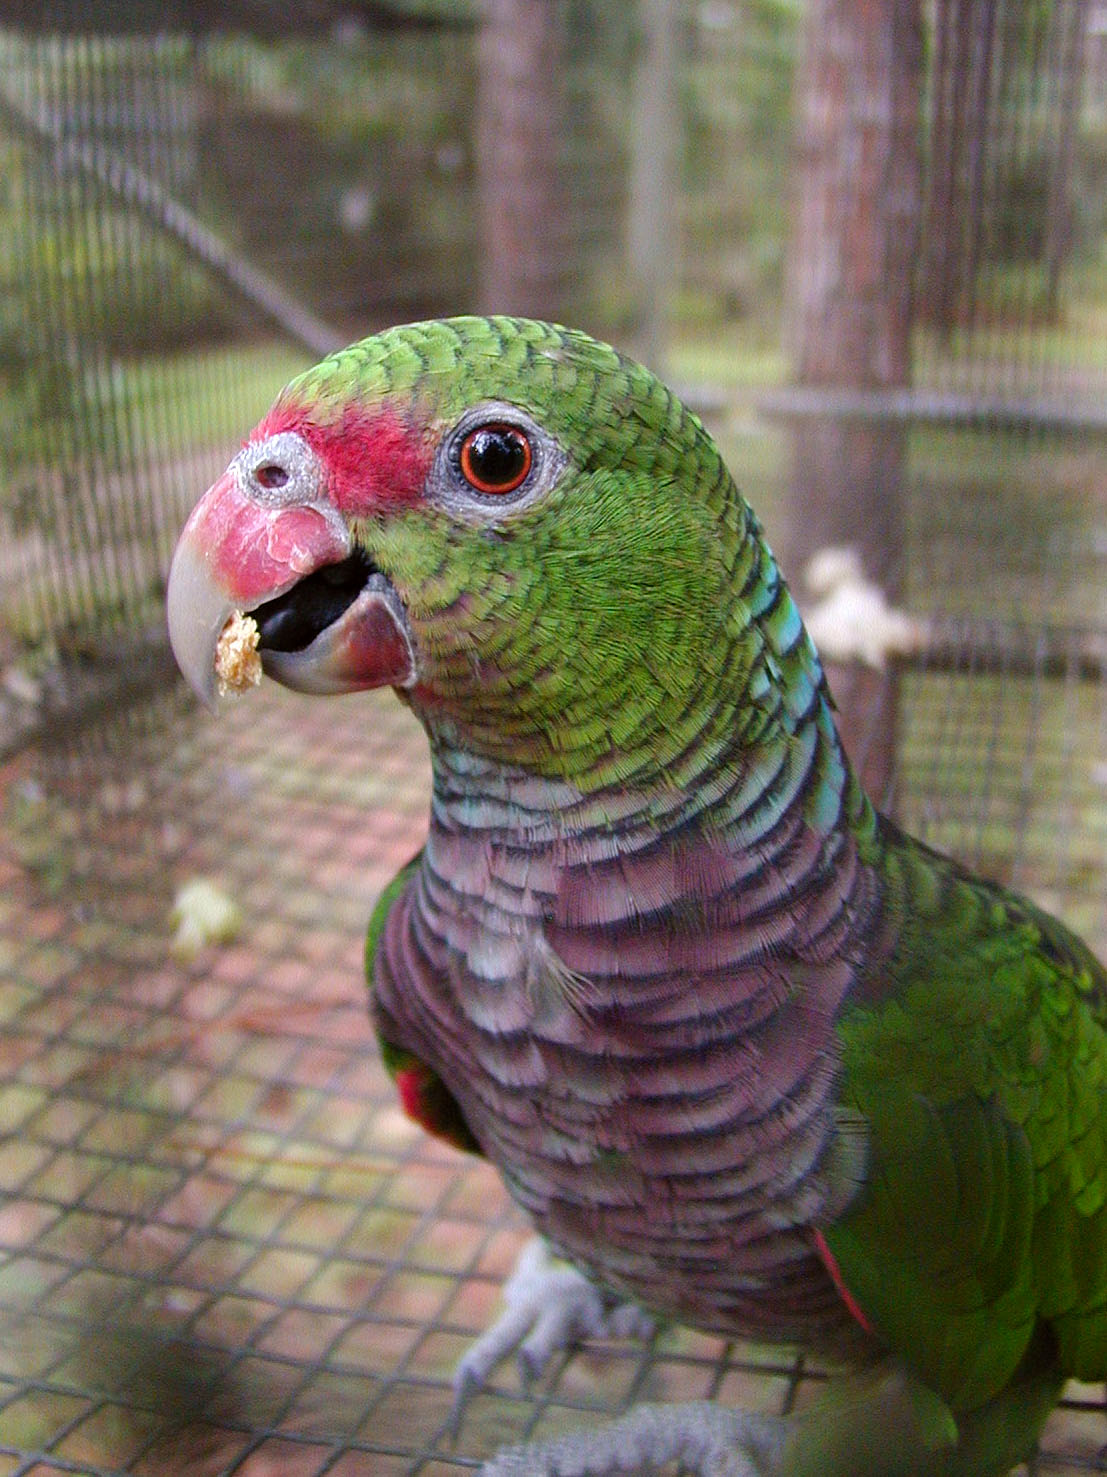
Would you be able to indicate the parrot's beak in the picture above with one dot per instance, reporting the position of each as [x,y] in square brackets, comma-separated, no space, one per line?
[328,621]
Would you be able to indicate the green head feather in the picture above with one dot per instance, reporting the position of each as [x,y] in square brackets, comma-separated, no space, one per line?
[623,613]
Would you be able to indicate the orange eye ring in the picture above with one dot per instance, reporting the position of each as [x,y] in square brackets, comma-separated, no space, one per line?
[496,458]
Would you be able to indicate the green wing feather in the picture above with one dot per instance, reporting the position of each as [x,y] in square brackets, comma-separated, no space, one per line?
[978,1068]
[423,1094]
[381,909]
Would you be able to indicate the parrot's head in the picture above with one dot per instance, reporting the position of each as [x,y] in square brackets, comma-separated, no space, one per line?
[521,531]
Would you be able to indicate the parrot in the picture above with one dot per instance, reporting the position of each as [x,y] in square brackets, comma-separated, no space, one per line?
[748,1056]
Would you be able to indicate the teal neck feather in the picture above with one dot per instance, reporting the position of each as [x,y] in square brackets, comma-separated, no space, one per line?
[753,735]
[722,785]
[665,697]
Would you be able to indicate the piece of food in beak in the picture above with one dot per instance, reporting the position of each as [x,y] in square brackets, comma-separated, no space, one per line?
[237,661]
[255,589]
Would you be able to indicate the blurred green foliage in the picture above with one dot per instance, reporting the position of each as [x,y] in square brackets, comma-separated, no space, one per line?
[738,98]
[344,165]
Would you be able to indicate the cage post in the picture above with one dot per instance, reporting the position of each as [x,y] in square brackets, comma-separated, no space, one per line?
[519,132]
[652,188]
[855,224]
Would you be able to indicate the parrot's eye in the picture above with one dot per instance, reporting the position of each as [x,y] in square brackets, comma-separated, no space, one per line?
[495,458]
[271,474]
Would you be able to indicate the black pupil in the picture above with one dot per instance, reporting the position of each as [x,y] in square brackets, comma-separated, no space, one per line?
[497,456]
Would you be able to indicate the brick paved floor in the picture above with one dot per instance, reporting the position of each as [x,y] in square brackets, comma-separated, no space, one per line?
[225,1248]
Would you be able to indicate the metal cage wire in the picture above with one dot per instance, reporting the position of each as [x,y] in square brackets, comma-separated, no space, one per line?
[225,1249]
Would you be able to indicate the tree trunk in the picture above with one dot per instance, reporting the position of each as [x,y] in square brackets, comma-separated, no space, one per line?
[852,255]
[1072,28]
[525,232]
[962,105]
[651,224]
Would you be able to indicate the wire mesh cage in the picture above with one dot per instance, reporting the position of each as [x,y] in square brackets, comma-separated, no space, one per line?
[225,1248]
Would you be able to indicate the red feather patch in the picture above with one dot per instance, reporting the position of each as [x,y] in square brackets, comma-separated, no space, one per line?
[411,1084]
[376,460]
[425,1098]
[829,1261]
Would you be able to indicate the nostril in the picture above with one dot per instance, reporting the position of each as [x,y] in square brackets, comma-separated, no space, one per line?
[271,474]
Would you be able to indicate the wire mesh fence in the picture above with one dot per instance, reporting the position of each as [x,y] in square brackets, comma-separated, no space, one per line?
[226,1250]
[189,212]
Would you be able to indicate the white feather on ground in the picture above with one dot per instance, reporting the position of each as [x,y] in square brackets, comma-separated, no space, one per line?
[202,914]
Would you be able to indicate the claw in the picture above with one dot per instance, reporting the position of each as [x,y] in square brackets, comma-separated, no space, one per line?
[481,1358]
[549,1307]
[629,1321]
[466,1386]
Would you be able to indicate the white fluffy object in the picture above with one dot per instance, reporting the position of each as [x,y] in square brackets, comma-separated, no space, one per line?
[852,620]
[202,914]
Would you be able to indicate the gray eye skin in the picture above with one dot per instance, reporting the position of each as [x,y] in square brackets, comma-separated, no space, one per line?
[280,470]
[456,490]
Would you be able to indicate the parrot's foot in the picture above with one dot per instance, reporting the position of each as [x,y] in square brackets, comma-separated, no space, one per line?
[704,1438]
[549,1307]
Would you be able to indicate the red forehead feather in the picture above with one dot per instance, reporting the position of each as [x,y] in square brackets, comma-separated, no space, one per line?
[376,460]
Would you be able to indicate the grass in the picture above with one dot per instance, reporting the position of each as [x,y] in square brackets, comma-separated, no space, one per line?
[739,357]
[202,394]
[151,407]
[1006,773]
[1007,526]
[993,521]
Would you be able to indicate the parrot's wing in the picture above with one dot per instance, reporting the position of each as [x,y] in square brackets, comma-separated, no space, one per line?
[937,1255]
[424,1097]
[980,1081]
